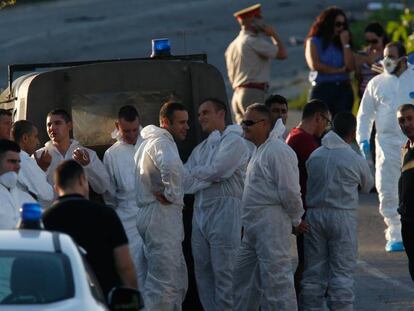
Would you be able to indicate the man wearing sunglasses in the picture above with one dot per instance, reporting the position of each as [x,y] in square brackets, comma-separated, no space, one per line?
[382,97]
[220,163]
[271,206]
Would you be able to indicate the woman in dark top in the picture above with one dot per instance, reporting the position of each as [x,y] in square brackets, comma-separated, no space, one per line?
[329,57]
[376,39]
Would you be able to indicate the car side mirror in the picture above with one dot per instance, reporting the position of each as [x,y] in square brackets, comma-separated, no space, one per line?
[125,299]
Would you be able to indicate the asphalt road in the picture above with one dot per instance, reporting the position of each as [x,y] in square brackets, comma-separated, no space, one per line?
[70,30]
[382,279]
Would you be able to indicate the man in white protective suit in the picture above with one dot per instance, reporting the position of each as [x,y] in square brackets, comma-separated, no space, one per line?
[383,95]
[119,163]
[31,178]
[220,161]
[11,196]
[61,147]
[335,171]
[159,195]
[271,205]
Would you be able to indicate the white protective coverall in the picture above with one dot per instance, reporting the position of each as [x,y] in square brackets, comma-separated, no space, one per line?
[271,205]
[95,171]
[11,202]
[382,97]
[159,169]
[335,171]
[32,179]
[216,229]
[120,165]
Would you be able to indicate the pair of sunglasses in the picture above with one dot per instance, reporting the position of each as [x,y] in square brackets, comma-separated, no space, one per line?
[373,41]
[250,122]
[339,24]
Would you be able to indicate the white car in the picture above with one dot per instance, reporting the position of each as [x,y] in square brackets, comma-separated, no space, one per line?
[42,270]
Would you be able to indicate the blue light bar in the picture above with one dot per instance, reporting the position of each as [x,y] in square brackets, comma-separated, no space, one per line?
[31,212]
[161,47]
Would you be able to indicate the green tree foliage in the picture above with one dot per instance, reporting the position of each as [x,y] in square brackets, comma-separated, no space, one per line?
[6,3]
[403,29]
[398,24]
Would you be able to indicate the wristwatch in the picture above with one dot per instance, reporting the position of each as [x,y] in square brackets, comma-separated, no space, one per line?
[346,46]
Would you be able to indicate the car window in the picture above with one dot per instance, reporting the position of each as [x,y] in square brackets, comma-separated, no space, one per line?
[93,283]
[34,277]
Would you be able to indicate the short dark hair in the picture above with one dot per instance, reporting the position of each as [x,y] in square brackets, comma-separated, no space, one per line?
[19,128]
[128,113]
[61,112]
[68,173]
[312,107]
[167,110]
[218,104]
[8,145]
[399,46]
[276,98]
[344,124]
[262,109]
[5,112]
[406,107]
[379,31]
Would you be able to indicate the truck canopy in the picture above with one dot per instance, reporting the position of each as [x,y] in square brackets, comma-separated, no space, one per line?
[93,94]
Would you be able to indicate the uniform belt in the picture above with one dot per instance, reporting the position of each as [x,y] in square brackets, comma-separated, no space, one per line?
[254,85]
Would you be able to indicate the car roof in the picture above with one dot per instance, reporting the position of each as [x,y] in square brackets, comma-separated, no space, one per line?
[28,240]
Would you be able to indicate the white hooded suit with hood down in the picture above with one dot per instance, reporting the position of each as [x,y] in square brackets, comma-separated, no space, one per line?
[32,179]
[12,198]
[334,173]
[159,169]
[220,160]
[119,163]
[95,170]
[271,205]
[382,97]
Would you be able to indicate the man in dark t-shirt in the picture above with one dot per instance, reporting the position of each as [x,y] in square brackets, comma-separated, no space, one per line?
[405,117]
[304,139]
[93,226]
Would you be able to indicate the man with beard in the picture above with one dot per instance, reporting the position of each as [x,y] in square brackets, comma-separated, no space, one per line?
[159,196]
[382,97]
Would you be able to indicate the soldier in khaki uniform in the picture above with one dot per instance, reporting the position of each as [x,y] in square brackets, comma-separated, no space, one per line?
[248,59]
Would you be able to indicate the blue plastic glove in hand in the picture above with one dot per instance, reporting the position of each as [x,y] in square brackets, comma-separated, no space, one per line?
[365,147]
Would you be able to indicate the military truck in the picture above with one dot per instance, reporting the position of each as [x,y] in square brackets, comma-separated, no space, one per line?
[93,91]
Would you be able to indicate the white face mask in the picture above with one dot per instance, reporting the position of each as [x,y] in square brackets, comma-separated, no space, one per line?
[390,64]
[9,180]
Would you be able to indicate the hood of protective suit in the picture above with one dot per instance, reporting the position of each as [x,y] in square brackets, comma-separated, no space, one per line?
[116,134]
[278,129]
[234,128]
[152,131]
[332,141]
[214,137]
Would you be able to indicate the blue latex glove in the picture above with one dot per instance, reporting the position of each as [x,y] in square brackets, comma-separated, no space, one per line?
[365,147]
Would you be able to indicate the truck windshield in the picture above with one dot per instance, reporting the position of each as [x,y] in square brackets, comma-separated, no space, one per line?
[28,277]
